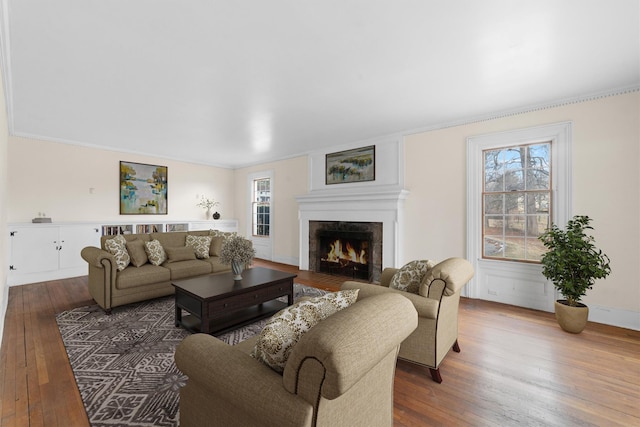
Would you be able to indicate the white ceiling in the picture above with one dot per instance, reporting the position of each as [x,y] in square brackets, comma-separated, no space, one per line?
[234,83]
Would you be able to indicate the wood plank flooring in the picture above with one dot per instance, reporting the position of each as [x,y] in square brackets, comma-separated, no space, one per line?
[516,368]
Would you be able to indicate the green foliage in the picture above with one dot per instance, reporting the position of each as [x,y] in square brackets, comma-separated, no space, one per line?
[572,261]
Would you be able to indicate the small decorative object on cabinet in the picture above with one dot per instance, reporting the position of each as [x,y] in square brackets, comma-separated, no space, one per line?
[572,263]
[216,215]
[238,252]
[207,204]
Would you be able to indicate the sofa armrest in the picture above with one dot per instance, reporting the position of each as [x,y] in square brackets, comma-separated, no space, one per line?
[426,307]
[236,380]
[95,256]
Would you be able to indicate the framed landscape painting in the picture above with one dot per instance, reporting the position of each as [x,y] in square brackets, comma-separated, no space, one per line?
[143,189]
[355,165]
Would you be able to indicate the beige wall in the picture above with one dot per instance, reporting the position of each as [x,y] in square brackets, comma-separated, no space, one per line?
[56,179]
[290,179]
[606,186]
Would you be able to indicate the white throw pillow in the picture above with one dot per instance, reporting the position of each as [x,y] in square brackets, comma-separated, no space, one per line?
[409,277]
[283,331]
[117,246]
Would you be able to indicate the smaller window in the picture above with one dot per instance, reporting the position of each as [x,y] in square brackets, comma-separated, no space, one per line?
[261,207]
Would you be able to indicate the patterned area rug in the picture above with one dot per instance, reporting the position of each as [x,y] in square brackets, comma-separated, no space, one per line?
[123,363]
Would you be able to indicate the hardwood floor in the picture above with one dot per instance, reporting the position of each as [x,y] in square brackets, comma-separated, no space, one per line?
[516,367]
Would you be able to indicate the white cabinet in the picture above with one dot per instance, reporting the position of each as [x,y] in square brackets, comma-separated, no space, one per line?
[219,224]
[40,252]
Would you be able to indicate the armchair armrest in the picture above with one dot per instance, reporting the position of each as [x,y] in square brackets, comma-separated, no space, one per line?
[447,277]
[236,380]
[95,256]
[426,307]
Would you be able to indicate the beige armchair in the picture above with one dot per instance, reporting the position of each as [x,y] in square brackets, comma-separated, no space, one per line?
[340,373]
[437,307]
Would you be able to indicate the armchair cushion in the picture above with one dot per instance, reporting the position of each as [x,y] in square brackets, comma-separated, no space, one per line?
[283,331]
[410,276]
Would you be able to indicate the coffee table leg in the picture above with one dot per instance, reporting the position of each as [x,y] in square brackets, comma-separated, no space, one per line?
[204,320]
[178,316]
[290,294]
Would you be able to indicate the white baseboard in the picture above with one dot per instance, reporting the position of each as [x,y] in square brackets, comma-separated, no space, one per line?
[615,317]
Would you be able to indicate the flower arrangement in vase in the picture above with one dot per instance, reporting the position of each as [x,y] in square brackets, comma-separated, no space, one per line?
[207,204]
[238,252]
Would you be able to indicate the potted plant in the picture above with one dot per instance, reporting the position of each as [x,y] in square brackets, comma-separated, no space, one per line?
[572,263]
[238,252]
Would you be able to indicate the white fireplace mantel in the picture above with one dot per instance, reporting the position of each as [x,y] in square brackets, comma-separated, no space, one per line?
[370,204]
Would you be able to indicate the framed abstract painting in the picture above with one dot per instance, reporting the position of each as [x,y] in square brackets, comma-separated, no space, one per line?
[143,189]
[355,165]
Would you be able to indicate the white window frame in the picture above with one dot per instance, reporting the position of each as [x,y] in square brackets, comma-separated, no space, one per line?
[262,244]
[560,136]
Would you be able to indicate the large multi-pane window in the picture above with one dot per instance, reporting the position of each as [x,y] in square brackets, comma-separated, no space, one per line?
[261,207]
[516,201]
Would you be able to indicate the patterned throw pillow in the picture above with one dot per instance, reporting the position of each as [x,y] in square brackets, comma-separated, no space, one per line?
[283,331]
[155,252]
[200,244]
[225,234]
[117,247]
[409,277]
[137,253]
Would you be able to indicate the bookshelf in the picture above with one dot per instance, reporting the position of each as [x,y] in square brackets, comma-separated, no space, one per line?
[114,229]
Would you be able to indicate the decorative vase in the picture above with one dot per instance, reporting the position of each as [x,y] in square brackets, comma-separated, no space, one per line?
[237,267]
[208,213]
[216,215]
[571,319]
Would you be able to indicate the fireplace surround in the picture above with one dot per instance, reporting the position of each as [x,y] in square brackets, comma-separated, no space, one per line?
[383,206]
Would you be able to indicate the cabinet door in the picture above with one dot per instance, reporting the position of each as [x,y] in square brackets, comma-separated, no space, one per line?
[34,249]
[73,239]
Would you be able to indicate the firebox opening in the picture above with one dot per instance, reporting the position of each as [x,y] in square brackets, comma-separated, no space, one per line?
[345,253]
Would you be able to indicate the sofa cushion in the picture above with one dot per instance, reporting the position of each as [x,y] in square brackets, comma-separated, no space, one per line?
[184,253]
[186,269]
[217,265]
[116,246]
[155,252]
[200,244]
[144,275]
[283,331]
[409,277]
[172,239]
[137,252]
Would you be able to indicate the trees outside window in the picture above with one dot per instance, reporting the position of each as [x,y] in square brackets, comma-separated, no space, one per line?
[516,201]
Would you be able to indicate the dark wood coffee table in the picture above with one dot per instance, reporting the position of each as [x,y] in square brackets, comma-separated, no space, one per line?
[217,303]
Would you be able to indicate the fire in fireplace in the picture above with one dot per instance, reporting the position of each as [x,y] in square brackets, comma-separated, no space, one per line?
[345,253]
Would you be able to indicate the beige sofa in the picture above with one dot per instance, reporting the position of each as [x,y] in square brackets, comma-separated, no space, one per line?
[111,288]
[340,373]
[437,306]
